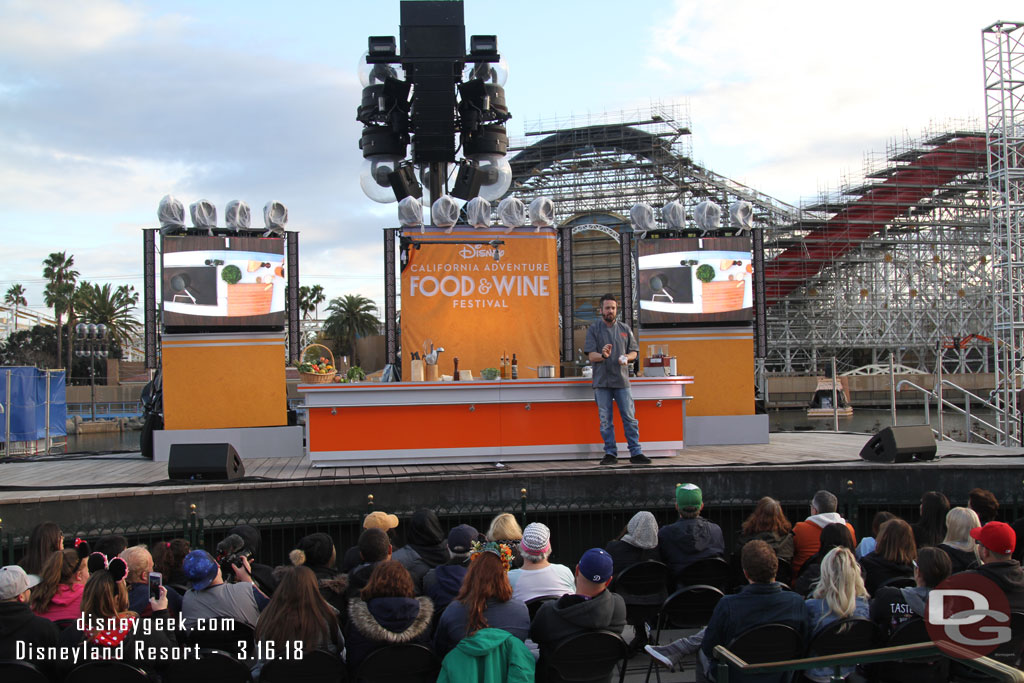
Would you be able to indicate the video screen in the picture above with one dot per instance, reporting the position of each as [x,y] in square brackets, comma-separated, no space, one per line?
[695,280]
[230,283]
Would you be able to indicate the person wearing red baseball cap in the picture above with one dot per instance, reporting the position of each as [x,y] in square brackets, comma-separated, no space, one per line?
[996,541]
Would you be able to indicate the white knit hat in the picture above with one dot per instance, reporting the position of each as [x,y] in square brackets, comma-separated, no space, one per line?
[536,540]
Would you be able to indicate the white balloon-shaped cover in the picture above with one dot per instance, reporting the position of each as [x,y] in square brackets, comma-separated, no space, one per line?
[204,214]
[171,214]
[641,216]
[674,215]
[708,216]
[742,214]
[542,212]
[478,212]
[410,212]
[444,212]
[511,213]
[237,214]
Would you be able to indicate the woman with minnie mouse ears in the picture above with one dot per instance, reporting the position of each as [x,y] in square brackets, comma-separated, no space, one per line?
[106,619]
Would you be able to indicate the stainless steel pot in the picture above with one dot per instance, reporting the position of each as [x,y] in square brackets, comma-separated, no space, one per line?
[544,371]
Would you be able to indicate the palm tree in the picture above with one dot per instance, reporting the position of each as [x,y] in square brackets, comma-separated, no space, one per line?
[111,307]
[350,317]
[15,296]
[309,300]
[316,297]
[60,292]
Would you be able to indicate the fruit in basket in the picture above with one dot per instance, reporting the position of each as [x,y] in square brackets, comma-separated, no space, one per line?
[319,367]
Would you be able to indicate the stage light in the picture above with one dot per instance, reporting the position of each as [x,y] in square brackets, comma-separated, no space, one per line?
[496,175]
[483,46]
[171,214]
[382,47]
[468,181]
[374,177]
[403,182]
[488,72]
[674,214]
[275,216]
[641,217]
[204,216]
[478,212]
[237,215]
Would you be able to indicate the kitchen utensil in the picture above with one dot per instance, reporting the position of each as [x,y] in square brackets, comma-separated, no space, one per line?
[180,284]
[658,288]
[544,371]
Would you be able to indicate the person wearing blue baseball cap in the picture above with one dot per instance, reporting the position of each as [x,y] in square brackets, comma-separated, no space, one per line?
[591,608]
[211,598]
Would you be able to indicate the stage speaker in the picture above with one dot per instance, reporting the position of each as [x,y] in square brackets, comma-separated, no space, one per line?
[204,462]
[900,444]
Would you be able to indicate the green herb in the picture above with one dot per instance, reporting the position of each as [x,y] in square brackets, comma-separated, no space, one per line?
[231,274]
[706,273]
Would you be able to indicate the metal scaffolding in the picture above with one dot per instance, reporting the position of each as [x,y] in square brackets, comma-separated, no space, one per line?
[1003,44]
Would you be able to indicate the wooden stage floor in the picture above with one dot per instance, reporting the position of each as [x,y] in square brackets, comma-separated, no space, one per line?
[793,463]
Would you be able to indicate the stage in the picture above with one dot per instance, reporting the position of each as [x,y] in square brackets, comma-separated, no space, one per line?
[113,490]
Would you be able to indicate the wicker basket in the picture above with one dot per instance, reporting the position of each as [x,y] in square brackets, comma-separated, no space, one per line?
[314,377]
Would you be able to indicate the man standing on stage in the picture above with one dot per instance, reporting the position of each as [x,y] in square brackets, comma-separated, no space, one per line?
[611,347]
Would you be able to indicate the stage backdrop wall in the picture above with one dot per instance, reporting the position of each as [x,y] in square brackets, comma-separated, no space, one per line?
[458,297]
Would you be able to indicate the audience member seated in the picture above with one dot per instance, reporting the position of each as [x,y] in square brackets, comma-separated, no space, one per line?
[996,541]
[375,520]
[386,612]
[210,597]
[167,559]
[958,543]
[46,538]
[17,622]
[140,564]
[892,606]
[893,556]
[867,544]
[768,523]
[374,547]
[262,574]
[426,547]
[317,552]
[984,503]
[840,594]
[485,601]
[807,534]
[691,537]
[442,584]
[931,528]
[111,545]
[59,594]
[591,608]
[832,536]
[489,655]
[505,529]
[109,623]
[638,542]
[539,577]
[762,601]
[297,613]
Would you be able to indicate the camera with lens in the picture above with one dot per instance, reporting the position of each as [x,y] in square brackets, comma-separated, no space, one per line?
[230,552]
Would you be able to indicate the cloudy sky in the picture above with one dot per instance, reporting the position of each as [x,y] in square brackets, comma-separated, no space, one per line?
[108,105]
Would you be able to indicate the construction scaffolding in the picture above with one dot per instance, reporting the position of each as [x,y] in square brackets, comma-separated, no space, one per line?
[1003,44]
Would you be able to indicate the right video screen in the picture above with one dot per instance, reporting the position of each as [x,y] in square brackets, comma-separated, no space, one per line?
[691,280]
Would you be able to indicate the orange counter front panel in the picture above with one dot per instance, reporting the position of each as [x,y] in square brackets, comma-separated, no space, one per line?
[480,421]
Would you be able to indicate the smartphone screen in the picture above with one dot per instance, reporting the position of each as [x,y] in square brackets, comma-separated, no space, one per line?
[155,580]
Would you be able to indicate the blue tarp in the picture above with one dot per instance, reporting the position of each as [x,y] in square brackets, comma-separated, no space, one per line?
[28,403]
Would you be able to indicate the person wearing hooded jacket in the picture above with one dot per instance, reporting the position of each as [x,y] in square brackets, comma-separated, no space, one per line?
[426,547]
[441,584]
[591,608]
[691,537]
[892,606]
[490,655]
[17,622]
[996,541]
[317,552]
[807,534]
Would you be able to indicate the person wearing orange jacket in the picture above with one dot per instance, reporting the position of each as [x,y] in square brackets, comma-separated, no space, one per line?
[807,534]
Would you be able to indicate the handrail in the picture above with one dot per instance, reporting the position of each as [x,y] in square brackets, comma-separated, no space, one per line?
[998,670]
[954,407]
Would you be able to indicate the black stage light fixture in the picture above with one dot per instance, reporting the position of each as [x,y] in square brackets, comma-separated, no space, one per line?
[483,46]
[403,182]
[468,181]
[381,47]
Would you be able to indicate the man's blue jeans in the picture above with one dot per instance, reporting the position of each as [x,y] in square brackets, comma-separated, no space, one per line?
[624,399]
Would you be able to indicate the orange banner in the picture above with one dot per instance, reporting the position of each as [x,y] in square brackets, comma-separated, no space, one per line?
[459,298]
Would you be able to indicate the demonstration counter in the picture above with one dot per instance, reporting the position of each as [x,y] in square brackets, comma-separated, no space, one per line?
[399,423]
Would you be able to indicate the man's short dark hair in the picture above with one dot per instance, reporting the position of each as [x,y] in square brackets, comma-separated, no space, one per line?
[759,562]
[824,501]
[934,565]
[374,545]
[605,297]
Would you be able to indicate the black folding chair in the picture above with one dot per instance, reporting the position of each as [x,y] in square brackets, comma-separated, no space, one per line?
[212,666]
[315,667]
[852,634]
[399,664]
[898,582]
[223,640]
[642,587]
[1008,653]
[584,658]
[711,571]
[533,604]
[14,671]
[107,672]
[687,608]
[919,670]
[766,643]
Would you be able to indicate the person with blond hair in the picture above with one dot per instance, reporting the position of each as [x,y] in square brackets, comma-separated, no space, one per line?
[505,529]
[840,594]
[958,543]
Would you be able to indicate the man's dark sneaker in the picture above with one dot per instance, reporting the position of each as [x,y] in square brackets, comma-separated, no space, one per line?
[640,459]
[609,459]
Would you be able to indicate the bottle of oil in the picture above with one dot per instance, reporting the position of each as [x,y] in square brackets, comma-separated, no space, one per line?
[503,372]
[515,367]
[455,377]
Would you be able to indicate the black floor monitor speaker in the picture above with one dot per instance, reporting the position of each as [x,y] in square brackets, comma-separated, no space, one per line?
[204,462]
[900,444]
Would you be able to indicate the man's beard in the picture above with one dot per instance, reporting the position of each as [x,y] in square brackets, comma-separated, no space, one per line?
[609,317]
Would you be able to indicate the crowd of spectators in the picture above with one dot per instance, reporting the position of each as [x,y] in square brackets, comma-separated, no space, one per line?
[466,595]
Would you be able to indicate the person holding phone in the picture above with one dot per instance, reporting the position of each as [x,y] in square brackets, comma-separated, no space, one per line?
[140,585]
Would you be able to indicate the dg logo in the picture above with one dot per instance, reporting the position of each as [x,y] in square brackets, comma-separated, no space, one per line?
[968,614]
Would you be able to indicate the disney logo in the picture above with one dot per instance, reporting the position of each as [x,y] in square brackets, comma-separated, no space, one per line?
[469,251]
